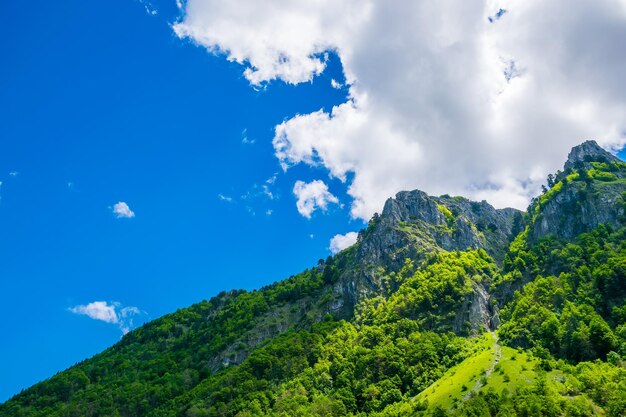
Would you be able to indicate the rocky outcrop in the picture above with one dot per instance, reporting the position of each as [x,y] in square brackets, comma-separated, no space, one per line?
[413,225]
[587,152]
[414,222]
[579,208]
[580,201]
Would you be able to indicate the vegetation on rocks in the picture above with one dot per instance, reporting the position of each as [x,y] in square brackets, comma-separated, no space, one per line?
[443,307]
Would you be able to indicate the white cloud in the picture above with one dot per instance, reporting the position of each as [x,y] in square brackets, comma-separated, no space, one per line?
[340,242]
[336,84]
[111,313]
[277,39]
[14,174]
[225,198]
[440,98]
[312,196]
[98,310]
[121,210]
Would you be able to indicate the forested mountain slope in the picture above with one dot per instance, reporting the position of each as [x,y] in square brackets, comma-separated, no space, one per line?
[443,307]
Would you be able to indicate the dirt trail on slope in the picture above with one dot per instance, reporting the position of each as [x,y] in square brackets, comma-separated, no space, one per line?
[498,354]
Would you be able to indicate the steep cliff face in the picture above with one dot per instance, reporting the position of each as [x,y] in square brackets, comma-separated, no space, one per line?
[589,192]
[413,225]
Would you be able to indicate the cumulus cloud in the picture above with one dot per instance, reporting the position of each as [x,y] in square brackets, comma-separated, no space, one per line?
[121,210]
[341,242]
[112,313]
[98,310]
[275,39]
[481,98]
[312,196]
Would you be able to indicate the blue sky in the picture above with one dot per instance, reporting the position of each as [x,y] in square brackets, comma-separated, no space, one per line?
[105,104]
[140,172]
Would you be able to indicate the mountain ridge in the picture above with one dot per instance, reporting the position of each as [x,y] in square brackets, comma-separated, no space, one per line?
[438,270]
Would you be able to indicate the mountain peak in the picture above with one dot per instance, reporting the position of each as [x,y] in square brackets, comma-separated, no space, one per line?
[586,152]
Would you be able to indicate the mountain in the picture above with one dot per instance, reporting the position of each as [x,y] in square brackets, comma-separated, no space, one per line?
[444,306]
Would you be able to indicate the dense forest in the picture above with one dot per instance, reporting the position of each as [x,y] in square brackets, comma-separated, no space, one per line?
[424,316]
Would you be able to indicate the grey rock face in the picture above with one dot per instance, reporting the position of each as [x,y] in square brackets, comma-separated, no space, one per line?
[414,221]
[476,311]
[413,225]
[586,152]
[579,208]
[582,205]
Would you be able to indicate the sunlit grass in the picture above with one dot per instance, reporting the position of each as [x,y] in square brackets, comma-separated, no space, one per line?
[515,369]
[459,380]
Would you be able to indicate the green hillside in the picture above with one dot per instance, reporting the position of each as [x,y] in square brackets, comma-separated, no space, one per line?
[443,307]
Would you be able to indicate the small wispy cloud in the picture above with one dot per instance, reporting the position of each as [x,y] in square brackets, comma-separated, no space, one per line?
[245,139]
[267,187]
[271,180]
[112,313]
[149,7]
[257,197]
[121,210]
[225,198]
[14,174]
[266,190]
[336,84]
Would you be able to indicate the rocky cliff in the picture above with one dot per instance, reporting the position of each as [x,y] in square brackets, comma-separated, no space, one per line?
[413,225]
[589,192]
